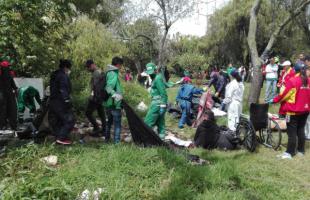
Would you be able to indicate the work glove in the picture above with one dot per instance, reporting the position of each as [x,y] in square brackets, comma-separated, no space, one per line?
[163,109]
[117,97]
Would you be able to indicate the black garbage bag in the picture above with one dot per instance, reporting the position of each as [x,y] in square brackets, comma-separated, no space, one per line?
[228,139]
[259,115]
[141,133]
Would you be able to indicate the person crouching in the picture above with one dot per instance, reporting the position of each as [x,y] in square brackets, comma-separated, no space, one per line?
[184,99]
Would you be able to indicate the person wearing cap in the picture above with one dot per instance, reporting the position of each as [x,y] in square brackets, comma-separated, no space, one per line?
[219,82]
[233,99]
[114,102]
[286,74]
[271,79]
[307,128]
[184,99]
[295,104]
[8,92]
[94,101]
[25,99]
[157,110]
[60,102]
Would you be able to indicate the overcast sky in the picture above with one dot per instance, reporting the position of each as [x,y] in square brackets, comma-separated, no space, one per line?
[196,24]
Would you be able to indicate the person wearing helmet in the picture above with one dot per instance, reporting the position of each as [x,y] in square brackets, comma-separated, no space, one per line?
[157,110]
[60,102]
[184,99]
[271,79]
[26,96]
[8,91]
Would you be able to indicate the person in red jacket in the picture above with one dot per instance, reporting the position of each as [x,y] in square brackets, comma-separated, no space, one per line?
[295,103]
[286,74]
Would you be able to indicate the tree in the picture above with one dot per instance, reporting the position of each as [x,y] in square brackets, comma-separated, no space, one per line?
[141,40]
[31,30]
[169,12]
[257,59]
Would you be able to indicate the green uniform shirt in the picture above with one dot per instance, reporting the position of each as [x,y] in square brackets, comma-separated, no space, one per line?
[113,86]
[158,90]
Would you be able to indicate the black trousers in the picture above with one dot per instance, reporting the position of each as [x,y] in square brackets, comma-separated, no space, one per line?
[93,106]
[8,110]
[296,129]
[63,117]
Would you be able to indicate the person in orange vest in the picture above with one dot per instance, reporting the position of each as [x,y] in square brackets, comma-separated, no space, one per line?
[295,103]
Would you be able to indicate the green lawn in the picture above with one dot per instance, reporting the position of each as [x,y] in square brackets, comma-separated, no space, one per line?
[130,172]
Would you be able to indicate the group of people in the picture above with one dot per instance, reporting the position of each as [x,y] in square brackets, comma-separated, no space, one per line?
[106,98]
[294,97]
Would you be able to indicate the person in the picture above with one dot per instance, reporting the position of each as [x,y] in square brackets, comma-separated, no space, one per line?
[286,74]
[242,72]
[219,82]
[184,99]
[60,102]
[25,99]
[307,128]
[233,99]
[295,100]
[128,76]
[186,73]
[210,136]
[114,102]
[157,110]
[95,101]
[271,79]
[8,91]
[301,59]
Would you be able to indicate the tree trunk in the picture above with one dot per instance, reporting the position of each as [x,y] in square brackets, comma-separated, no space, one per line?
[255,59]
[162,49]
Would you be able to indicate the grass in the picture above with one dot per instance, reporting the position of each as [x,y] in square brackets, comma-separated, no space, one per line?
[130,172]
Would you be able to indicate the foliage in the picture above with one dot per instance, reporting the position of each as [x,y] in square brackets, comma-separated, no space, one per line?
[89,40]
[31,32]
[186,52]
[105,11]
[142,41]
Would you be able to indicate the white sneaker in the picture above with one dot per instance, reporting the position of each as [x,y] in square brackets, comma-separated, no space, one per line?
[285,155]
[300,154]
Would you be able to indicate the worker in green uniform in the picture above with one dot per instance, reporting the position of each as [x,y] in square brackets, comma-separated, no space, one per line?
[26,96]
[158,107]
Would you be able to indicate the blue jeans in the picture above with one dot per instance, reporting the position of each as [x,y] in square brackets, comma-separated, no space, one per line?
[186,114]
[115,118]
[271,87]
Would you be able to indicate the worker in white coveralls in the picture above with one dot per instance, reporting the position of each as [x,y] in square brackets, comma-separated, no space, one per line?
[233,99]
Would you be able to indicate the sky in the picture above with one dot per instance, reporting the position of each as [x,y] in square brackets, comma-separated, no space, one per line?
[194,25]
[197,24]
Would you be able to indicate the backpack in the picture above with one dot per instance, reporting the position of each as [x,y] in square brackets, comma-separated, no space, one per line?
[100,94]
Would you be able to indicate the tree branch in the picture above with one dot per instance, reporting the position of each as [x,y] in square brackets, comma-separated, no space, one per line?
[281,26]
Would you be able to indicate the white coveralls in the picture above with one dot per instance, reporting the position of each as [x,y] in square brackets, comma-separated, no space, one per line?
[233,100]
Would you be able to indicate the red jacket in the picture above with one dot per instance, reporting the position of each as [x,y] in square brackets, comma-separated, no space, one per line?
[295,99]
[285,76]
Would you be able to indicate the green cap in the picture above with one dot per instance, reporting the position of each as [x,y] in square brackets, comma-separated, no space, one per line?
[150,68]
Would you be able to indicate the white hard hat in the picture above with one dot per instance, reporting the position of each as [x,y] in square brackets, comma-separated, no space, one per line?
[286,63]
